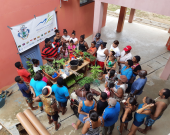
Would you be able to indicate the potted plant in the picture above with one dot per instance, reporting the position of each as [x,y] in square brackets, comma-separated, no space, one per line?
[49,71]
[95,70]
[87,55]
[30,67]
[58,64]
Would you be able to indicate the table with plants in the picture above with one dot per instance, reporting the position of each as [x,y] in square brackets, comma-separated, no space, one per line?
[71,75]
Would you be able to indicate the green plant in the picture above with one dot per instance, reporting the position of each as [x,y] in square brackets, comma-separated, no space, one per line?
[42,67]
[85,80]
[77,77]
[30,67]
[95,70]
[58,63]
[92,58]
[49,70]
[86,54]
[70,81]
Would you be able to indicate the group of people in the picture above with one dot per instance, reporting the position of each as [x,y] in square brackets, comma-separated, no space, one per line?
[120,70]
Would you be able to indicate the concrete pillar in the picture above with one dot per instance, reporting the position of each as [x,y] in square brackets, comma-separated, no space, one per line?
[98,17]
[132,13]
[166,72]
[169,30]
[121,20]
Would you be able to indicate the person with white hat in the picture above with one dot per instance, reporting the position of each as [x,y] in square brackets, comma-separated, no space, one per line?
[50,106]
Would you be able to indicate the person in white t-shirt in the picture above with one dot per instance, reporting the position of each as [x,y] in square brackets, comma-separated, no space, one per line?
[114,47]
[75,40]
[124,56]
[65,37]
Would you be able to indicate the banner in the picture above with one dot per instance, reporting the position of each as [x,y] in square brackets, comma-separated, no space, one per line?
[33,32]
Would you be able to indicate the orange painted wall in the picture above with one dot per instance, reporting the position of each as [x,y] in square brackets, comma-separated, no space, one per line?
[70,16]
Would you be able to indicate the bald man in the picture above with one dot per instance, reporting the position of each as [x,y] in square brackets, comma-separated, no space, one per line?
[138,85]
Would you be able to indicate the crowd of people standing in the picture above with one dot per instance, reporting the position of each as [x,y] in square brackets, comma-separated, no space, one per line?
[124,83]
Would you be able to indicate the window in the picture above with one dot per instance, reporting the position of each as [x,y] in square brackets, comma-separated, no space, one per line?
[84,2]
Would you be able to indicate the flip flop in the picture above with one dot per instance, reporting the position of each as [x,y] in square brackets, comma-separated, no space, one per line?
[73,126]
[58,127]
[118,129]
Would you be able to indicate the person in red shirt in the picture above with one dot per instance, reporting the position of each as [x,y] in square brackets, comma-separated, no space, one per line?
[23,72]
[49,51]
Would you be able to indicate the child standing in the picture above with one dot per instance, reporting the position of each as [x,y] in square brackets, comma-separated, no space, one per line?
[71,47]
[36,64]
[23,72]
[64,50]
[26,92]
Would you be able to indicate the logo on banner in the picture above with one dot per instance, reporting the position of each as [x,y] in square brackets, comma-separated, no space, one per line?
[46,20]
[23,32]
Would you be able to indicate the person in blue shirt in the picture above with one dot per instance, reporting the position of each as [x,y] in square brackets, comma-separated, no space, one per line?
[138,85]
[127,70]
[61,94]
[110,116]
[38,84]
[26,92]
[143,111]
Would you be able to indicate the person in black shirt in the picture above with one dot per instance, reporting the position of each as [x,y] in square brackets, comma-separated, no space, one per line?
[102,103]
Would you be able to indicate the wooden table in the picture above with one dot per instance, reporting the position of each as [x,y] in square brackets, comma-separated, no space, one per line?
[84,64]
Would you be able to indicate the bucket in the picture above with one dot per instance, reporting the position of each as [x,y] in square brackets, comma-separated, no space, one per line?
[2,101]
[74,64]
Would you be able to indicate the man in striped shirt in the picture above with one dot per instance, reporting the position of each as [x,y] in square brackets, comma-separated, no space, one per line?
[49,52]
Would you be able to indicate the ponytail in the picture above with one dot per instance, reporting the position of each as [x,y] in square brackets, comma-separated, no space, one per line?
[89,96]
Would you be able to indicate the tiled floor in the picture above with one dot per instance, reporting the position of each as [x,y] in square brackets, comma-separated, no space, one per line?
[146,41]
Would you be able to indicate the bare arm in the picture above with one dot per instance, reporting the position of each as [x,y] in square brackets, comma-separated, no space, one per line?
[68,97]
[106,52]
[76,42]
[119,93]
[86,45]
[32,90]
[37,99]
[125,115]
[86,127]
[143,111]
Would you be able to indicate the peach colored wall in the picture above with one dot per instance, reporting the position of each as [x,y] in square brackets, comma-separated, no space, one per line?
[70,16]
[154,6]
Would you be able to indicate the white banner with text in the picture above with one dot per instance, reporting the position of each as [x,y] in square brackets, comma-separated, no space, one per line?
[31,33]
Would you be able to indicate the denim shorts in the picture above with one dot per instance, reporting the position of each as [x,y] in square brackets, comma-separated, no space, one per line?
[149,122]
[63,104]
[137,123]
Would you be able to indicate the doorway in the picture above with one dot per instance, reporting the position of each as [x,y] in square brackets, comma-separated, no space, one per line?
[33,53]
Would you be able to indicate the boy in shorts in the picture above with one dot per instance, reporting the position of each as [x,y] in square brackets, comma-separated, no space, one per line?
[26,91]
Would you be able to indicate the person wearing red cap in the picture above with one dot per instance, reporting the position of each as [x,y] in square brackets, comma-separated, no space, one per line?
[124,56]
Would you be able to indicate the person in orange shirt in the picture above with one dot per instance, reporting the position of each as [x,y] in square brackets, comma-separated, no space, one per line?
[92,50]
[23,72]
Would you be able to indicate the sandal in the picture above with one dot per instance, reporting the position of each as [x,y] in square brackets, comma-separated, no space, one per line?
[58,126]
[73,126]
[118,128]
